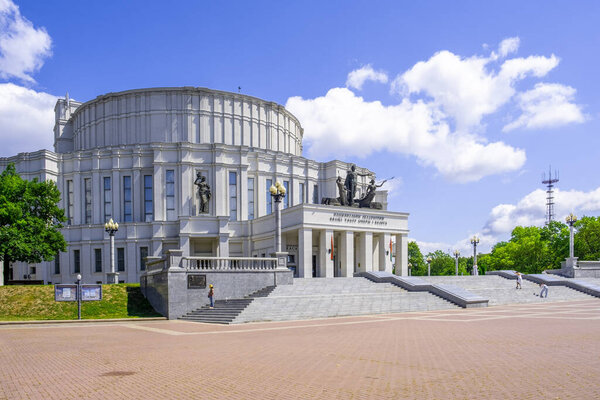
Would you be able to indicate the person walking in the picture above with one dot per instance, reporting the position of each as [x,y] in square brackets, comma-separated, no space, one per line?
[544,291]
[519,280]
[211,293]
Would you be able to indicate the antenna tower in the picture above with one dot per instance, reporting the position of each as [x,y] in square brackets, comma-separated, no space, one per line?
[550,192]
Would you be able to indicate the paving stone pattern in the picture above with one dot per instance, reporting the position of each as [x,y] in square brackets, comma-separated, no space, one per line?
[526,351]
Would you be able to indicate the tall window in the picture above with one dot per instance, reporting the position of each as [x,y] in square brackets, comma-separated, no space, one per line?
[107,199]
[57,264]
[302,193]
[250,198]
[70,207]
[232,196]
[127,215]
[97,260]
[269,198]
[120,259]
[316,194]
[286,198]
[148,196]
[170,191]
[87,184]
[76,262]
[143,255]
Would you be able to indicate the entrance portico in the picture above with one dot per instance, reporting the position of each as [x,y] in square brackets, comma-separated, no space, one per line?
[343,241]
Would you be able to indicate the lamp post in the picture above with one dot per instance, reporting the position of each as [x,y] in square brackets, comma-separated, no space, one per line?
[409,269]
[111,227]
[571,219]
[278,193]
[428,266]
[78,296]
[475,242]
[456,255]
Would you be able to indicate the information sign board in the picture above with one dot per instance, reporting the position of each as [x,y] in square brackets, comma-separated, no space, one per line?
[91,292]
[65,292]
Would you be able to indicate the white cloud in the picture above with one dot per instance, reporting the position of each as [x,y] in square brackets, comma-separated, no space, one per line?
[508,46]
[23,48]
[438,118]
[26,118]
[430,247]
[358,77]
[467,89]
[359,128]
[531,209]
[546,105]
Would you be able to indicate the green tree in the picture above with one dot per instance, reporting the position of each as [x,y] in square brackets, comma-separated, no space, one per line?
[415,258]
[556,234]
[441,263]
[587,238]
[30,220]
[527,251]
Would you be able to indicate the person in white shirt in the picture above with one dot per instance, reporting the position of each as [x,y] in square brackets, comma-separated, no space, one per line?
[544,291]
[519,280]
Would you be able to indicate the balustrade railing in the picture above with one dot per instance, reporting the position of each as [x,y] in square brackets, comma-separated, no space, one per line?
[229,263]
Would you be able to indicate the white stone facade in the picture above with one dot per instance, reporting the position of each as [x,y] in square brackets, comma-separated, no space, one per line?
[133,156]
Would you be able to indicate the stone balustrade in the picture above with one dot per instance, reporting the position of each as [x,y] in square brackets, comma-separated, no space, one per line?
[229,263]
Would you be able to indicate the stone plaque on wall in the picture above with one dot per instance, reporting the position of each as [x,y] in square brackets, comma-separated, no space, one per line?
[196,281]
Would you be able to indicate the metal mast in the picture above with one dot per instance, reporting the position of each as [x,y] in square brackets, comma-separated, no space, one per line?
[550,193]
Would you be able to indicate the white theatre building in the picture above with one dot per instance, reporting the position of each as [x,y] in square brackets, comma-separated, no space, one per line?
[133,156]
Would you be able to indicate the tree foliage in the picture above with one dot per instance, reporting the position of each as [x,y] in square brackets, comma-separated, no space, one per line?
[30,220]
[415,258]
[587,238]
[532,249]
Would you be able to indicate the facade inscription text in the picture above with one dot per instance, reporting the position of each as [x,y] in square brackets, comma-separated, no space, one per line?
[361,219]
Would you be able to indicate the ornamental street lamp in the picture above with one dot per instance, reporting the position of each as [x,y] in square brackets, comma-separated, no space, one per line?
[111,227]
[428,266]
[571,219]
[78,296]
[409,269]
[475,242]
[278,193]
[456,255]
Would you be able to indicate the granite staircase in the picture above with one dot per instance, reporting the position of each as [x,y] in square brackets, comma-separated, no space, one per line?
[499,290]
[225,311]
[335,297]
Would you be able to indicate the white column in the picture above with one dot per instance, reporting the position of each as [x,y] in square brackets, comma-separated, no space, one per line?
[305,253]
[224,245]
[346,253]
[385,263]
[402,255]
[219,187]
[325,261]
[366,253]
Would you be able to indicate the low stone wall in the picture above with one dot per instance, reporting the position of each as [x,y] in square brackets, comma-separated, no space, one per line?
[572,268]
[170,294]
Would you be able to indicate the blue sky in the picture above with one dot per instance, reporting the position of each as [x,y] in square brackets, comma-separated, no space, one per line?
[466,102]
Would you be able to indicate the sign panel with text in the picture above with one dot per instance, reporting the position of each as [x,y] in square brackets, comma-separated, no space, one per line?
[65,292]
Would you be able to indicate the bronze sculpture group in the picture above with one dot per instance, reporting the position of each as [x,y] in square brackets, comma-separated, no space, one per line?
[347,191]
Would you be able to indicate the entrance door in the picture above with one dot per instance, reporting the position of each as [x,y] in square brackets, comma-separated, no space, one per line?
[315,270]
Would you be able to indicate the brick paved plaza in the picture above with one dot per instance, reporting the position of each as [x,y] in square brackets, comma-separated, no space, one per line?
[536,351]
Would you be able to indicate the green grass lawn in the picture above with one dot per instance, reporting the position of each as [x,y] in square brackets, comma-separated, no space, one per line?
[36,302]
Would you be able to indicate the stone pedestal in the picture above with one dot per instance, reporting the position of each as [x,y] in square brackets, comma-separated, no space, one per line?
[112,277]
